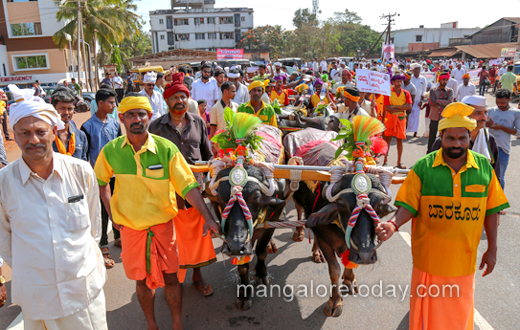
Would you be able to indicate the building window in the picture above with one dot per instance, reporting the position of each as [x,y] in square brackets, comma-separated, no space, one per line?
[211,20]
[227,35]
[181,21]
[162,36]
[169,22]
[26,29]
[161,20]
[212,35]
[30,62]
[199,36]
[418,38]
[226,20]
[182,37]
[243,19]
[198,20]
[170,38]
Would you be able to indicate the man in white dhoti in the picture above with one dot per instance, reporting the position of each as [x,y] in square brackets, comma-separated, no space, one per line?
[420,85]
[50,226]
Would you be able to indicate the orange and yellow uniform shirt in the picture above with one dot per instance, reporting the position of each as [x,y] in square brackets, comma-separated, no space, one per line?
[146,180]
[283,97]
[448,211]
[315,99]
[396,122]
[266,112]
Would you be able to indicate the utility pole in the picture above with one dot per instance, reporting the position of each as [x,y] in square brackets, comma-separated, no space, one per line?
[391,20]
[78,40]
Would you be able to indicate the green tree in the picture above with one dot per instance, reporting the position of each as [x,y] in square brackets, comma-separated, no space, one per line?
[304,17]
[273,36]
[113,19]
[136,45]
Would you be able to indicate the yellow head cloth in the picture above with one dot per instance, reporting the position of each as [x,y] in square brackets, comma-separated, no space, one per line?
[456,115]
[255,84]
[134,102]
[302,88]
[350,96]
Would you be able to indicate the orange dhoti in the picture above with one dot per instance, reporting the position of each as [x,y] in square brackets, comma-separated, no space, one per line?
[395,124]
[440,303]
[195,250]
[148,253]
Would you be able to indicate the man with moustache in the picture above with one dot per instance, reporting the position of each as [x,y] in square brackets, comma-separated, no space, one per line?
[149,171]
[71,140]
[189,134]
[445,238]
[481,140]
[257,107]
[440,97]
[50,225]
[205,88]
[155,98]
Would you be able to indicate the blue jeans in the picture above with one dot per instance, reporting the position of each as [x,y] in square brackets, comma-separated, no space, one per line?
[481,89]
[503,160]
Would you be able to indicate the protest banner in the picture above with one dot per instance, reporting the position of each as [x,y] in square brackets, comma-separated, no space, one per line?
[373,82]
[388,51]
[230,54]
[430,77]
[498,61]
[473,77]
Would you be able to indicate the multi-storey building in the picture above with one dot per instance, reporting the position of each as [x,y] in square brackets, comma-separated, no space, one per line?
[28,52]
[197,24]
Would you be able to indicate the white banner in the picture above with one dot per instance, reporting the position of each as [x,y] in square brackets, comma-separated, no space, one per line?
[373,82]
[388,51]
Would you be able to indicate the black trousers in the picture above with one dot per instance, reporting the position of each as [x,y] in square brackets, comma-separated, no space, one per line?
[5,127]
[434,127]
[104,221]
[120,93]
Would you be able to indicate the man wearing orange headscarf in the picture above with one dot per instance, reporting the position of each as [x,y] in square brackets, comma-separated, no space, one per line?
[396,106]
[447,223]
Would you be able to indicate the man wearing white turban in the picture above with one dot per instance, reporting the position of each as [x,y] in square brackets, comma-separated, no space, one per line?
[52,246]
[159,107]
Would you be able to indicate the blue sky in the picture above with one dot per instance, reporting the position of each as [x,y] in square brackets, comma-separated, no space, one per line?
[412,13]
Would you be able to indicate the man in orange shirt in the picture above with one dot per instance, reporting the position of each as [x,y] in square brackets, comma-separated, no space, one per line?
[395,107]
[447,223]
[278,93]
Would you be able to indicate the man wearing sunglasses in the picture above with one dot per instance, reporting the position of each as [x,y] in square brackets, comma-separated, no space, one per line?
[159,107]
[205,88]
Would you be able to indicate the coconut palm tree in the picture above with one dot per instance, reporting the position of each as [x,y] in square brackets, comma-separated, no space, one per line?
[113,20]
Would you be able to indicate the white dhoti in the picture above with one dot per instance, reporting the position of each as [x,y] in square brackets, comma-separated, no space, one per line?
[413,119]
[91,318]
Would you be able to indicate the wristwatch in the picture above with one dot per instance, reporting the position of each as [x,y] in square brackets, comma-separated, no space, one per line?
[2,280]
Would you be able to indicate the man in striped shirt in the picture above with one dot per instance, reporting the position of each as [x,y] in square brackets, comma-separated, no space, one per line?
[440,97]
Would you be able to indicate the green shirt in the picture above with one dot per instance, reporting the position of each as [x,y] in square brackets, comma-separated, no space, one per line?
[508,80]
[266,112]
[77,88]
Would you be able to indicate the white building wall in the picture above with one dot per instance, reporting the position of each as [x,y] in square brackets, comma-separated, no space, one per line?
[4,61]
[159,26]
[50,24]
[403,37]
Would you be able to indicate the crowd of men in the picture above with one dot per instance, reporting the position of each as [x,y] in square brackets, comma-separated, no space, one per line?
[78,180]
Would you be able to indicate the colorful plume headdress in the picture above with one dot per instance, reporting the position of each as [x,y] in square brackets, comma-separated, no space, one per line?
[357,136]
[238,138]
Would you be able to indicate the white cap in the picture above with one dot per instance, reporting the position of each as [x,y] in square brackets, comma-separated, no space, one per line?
[277,64]
[475,100]
[150,78]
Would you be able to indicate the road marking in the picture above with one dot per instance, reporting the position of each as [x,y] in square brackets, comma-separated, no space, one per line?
[17,324]
[480,321]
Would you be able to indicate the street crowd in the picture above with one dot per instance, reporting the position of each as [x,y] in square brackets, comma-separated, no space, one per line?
[78,180]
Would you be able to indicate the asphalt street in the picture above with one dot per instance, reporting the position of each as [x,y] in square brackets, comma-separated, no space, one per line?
[496,296]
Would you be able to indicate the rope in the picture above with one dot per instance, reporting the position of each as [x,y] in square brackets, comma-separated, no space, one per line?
[363,202]
[149,236]
[284,224]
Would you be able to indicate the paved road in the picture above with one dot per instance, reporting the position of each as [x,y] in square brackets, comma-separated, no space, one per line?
[496,296]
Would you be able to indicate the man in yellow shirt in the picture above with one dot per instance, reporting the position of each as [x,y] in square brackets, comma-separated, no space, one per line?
[149,171]
[257,107]
[279,93]
[450,194]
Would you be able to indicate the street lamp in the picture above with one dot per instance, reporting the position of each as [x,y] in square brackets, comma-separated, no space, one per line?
[69,38]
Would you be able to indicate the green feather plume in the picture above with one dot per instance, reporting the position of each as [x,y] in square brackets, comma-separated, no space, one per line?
[243,124]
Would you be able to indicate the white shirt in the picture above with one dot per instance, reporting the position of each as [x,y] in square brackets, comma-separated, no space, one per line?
[315,65]
[157,103]
[420,86]
[452,83]
[335,75]
[50,243]
[465,91]
[216,116]
[242,95]
[323,65]
[457,74]
[208,91]
[118,82]
[502,71]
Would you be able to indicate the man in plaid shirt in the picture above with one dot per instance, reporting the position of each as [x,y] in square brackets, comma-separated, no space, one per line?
[440,97]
